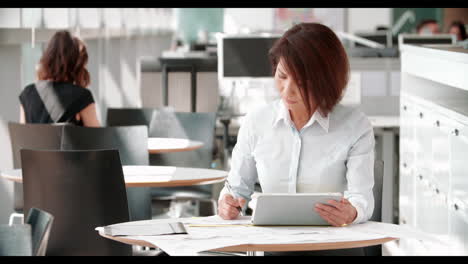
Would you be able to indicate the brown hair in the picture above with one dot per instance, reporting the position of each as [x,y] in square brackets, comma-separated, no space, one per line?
[317,62]
[64,60]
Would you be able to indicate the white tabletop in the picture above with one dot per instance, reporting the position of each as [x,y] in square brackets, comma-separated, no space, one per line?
[209,233]
[153,176]
[163,145]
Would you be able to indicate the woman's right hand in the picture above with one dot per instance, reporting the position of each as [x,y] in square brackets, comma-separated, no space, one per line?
[228,206]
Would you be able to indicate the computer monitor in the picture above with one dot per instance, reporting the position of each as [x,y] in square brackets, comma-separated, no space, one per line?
[426,39]
[245,56]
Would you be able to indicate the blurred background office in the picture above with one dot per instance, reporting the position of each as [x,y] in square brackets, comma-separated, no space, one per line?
[193,60]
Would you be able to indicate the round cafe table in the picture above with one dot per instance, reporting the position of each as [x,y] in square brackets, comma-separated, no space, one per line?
[164,145]
[153,176]
[251,249]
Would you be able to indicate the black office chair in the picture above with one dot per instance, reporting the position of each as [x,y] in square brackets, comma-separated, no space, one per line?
[194,126]
[132,143]
[129,116]
[41,224]
[377,214]
[15,240]
[33,136]
[82,190]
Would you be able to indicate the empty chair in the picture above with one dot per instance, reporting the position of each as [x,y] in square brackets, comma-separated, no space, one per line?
[82,190]
[194,126]
[132,143]
[15,240]
[33,136]
[129,116]
[377,214]
[41,223]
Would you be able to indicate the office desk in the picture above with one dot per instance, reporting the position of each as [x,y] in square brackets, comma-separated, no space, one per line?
[153,176]
[165,145]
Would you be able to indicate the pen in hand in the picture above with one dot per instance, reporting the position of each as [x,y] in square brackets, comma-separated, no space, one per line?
[228,186]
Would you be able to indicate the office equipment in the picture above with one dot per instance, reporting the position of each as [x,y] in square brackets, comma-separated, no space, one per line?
[41,224]
[245,76]
[290,209]
[245,55]
[82,190]
[426,39]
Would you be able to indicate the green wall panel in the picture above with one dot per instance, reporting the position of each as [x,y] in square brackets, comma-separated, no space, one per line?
[420,15]
[191,20]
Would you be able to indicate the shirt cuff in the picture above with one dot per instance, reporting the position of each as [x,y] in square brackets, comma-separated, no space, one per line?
[359,215]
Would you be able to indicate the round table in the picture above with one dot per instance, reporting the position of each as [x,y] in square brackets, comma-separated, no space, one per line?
[153,176]
[164,145]
[251,248]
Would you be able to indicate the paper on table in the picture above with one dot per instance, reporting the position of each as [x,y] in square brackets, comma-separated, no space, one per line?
[145,229]
[217,220]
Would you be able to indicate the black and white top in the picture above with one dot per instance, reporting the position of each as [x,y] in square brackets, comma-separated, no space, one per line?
[54,102]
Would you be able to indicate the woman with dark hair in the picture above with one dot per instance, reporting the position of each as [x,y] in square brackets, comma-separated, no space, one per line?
[60,94]
[458,29]
[306,142]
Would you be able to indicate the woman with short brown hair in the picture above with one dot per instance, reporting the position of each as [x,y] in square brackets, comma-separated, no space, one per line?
[306,142]
[60,94]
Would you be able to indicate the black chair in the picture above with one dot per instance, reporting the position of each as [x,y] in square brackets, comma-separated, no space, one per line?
[377,214]
[82,190]
[33,136]
[41,224]
[129,116]
[15,240]
[194,126]
[132,143]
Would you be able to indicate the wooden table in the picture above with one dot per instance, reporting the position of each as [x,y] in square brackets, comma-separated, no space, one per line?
[164,145]
[153,176]
[250,249]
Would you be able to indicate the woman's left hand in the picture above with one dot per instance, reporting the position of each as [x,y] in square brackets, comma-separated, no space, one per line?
[337,213]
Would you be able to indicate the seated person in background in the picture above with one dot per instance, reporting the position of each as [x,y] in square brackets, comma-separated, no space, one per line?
[60,94]
[428,27]
[458,29]
[306,142]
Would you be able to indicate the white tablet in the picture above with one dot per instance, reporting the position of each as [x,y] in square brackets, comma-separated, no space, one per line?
[290,209]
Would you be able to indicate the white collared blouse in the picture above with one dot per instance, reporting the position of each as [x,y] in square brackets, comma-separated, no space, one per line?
[329,154]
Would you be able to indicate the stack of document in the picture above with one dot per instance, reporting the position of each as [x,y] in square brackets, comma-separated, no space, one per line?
[154,229]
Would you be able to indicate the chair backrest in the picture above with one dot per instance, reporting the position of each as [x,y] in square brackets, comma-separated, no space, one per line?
[82,190]
[131,141]
[41,223]
[195,126]
[377,190]
[129,116]
[377,214]
[15,240]
[32,136]
[132,144]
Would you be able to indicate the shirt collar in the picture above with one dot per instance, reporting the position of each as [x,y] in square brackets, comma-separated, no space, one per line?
[283,114]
